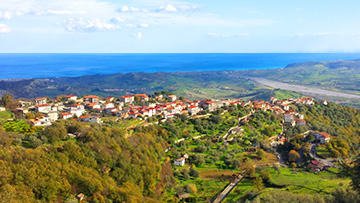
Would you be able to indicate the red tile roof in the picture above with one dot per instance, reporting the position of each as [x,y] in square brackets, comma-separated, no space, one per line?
[141,95]
[127,96]
[325,134]
[66,114]
[43,105]
[69,96]
[91,97]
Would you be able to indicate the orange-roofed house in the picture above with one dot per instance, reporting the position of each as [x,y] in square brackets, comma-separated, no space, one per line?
[91,98]
[43,108]
[322,137]
[127,99]
[208,105]
[71,98]
[172,97]
[90,119]
[300,122]
[66,115]
[193,110]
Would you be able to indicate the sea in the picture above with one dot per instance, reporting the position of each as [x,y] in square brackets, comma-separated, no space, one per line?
[19,66]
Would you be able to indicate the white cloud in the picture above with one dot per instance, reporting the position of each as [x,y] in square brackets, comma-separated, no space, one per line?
[79,25]
[59,12]
[227,35]
[5,15]
[17,8]
[4,28]
[125,9]
[167,8]
[139,35]
[117,20]
[143,25]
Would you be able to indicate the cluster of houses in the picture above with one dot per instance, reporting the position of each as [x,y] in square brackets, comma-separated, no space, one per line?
[91,108]
[316,166]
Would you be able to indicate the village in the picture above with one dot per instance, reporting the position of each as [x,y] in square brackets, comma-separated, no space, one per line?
[43,111]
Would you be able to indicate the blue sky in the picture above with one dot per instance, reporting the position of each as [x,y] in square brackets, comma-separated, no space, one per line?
[167,26]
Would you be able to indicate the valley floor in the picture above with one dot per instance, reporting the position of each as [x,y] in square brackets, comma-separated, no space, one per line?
[305,89]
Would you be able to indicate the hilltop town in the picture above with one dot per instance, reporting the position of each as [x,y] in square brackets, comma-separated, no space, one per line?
[42,111]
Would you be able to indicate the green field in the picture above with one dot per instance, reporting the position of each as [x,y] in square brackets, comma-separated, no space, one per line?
[5,115]
[294,181]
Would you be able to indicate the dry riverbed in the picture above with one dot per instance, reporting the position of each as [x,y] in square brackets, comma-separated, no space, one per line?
[312,91]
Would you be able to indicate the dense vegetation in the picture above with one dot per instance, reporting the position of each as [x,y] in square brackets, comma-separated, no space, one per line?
[101,163]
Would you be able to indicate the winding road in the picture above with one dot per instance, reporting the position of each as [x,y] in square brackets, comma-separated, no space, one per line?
[317,158]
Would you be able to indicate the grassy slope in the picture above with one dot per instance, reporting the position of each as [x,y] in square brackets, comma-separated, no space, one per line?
[298,182]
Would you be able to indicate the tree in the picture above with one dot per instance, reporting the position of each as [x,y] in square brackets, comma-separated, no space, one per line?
[194,173]
[266,176]
[345,196]
[258,183]
[136,99]
[268,131]
[191,188]
[6,100]
[261,154]
[354,173]
[294,156]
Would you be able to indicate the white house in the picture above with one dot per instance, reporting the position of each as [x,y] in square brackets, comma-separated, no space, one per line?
[66,116]
[92,98]
[2,108]
[43,108]
[127,99]
[108,105]
[40,121]
[322,137]
[40,100]
[180,161]
[77,112]
[52,115]
[71,98]
[286,107]
[193,110]
[172,97]
[90,119]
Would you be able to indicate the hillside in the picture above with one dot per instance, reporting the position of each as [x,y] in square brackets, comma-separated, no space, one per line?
[191,85]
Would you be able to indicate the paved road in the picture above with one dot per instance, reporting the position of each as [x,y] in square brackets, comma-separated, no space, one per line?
[227,190]
[317,158]
[304,89]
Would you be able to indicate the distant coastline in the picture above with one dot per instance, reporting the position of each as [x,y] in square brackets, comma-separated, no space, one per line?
[24,66]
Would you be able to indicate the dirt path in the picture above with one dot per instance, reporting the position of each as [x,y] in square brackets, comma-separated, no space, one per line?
[304,89]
